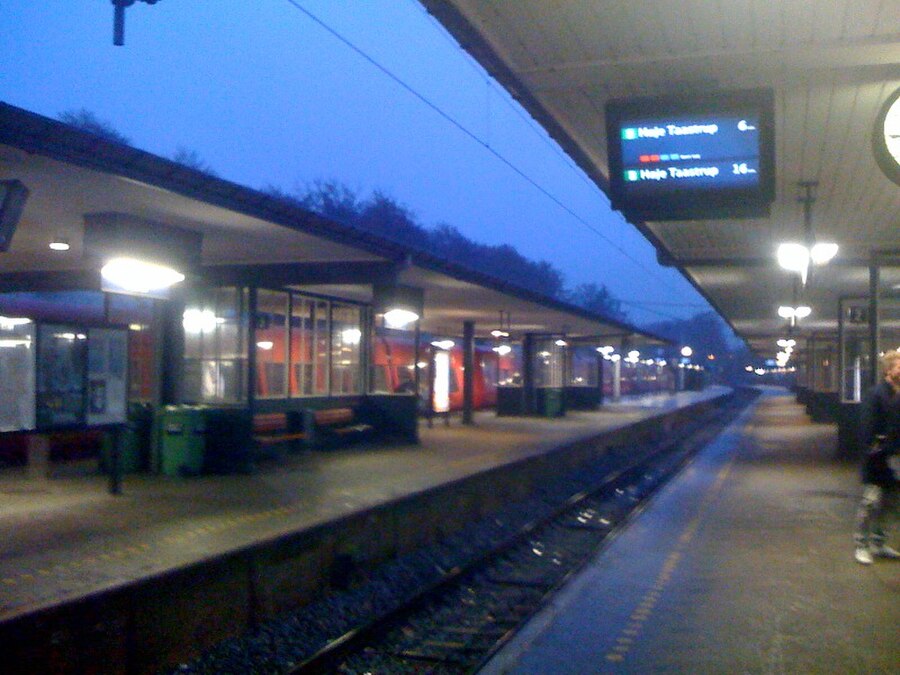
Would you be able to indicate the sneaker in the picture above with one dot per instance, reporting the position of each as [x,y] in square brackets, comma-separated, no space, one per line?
[885,551]
[864,556]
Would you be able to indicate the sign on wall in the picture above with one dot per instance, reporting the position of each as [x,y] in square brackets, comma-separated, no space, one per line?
[17,372]
[107,377]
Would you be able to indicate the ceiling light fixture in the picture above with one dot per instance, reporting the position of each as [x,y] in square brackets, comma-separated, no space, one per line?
[137,276]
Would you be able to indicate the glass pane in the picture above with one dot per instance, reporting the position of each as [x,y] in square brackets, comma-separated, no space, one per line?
[346,336]
[509,364]
[548,364]
[138,315]
[215,330]
[321,348]
[583,368]
[301,346]
[393,356]
[17,366]
[61,367]
[271,344]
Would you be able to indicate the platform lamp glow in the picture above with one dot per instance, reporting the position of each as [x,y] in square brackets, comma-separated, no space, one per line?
[401,305]
[138,276]
[795,257]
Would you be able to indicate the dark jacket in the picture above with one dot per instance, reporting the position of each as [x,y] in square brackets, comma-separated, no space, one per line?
[880,434]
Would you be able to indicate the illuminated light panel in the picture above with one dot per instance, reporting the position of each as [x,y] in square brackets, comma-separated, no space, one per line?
[351,336]
[10,323]
[199,320]
[399,318]
[138,276]
[823,252]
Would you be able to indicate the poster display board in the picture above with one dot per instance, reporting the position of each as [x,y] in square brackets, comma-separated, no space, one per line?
[17,373]
[81,376]
[107,377]
[62,358]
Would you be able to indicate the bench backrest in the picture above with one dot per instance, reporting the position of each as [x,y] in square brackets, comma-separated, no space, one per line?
[276,421]
[330,417]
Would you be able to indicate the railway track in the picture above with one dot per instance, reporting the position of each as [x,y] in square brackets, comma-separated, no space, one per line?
[457,624]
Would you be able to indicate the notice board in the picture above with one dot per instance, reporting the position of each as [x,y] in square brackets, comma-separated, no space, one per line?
[17,372]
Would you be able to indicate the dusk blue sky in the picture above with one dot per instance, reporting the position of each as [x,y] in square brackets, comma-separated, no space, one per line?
[267,97]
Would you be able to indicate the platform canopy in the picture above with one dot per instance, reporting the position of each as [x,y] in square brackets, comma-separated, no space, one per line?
[832,65]
[80,184]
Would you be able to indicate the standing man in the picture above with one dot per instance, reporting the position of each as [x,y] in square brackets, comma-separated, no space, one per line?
[880,469]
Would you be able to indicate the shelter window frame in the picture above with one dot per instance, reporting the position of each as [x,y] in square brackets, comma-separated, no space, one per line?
[216,349]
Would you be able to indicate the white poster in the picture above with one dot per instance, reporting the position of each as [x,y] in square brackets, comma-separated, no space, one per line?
[107,377]
[17,366]
[441,382]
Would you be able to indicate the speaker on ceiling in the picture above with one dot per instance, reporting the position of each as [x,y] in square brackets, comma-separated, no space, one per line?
[13,194]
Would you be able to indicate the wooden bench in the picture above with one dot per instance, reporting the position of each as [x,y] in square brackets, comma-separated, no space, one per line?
[273,428]
[334,422]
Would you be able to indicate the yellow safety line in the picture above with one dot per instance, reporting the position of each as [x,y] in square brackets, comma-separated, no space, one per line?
[134,549]
[644,610]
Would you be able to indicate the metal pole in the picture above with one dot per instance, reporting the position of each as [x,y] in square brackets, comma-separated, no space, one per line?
[874,282]
[842,345]
[115,460]
[468,371]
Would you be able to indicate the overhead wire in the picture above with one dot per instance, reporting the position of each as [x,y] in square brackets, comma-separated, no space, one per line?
[529,121]
[462,128]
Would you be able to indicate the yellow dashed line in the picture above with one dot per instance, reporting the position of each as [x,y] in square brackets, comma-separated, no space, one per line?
[645,608]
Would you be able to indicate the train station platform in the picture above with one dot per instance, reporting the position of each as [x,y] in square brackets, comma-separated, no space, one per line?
[66,542]
[742,564]
[67,536]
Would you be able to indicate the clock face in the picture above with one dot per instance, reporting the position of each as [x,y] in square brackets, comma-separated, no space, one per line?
[886,138]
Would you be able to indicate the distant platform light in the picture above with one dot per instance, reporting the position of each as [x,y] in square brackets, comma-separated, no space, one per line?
[59,244]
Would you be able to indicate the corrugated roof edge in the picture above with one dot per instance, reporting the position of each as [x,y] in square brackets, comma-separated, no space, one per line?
[42,135]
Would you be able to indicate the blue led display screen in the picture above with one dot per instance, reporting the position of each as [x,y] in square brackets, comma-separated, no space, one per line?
[698,157]
[690,152]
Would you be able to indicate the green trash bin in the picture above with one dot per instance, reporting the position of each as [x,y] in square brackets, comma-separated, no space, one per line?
[182,439]
[552,402]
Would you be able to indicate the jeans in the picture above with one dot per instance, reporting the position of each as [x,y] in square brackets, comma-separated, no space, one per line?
[875,508]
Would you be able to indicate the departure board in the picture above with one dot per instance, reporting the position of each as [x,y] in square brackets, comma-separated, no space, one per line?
[692,156]
[690,152]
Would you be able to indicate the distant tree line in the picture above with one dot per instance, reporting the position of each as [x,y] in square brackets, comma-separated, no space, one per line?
[385,217]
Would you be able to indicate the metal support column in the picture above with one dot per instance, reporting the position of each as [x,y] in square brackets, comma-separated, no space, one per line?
[874,282]
[530,405]
[468,371]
